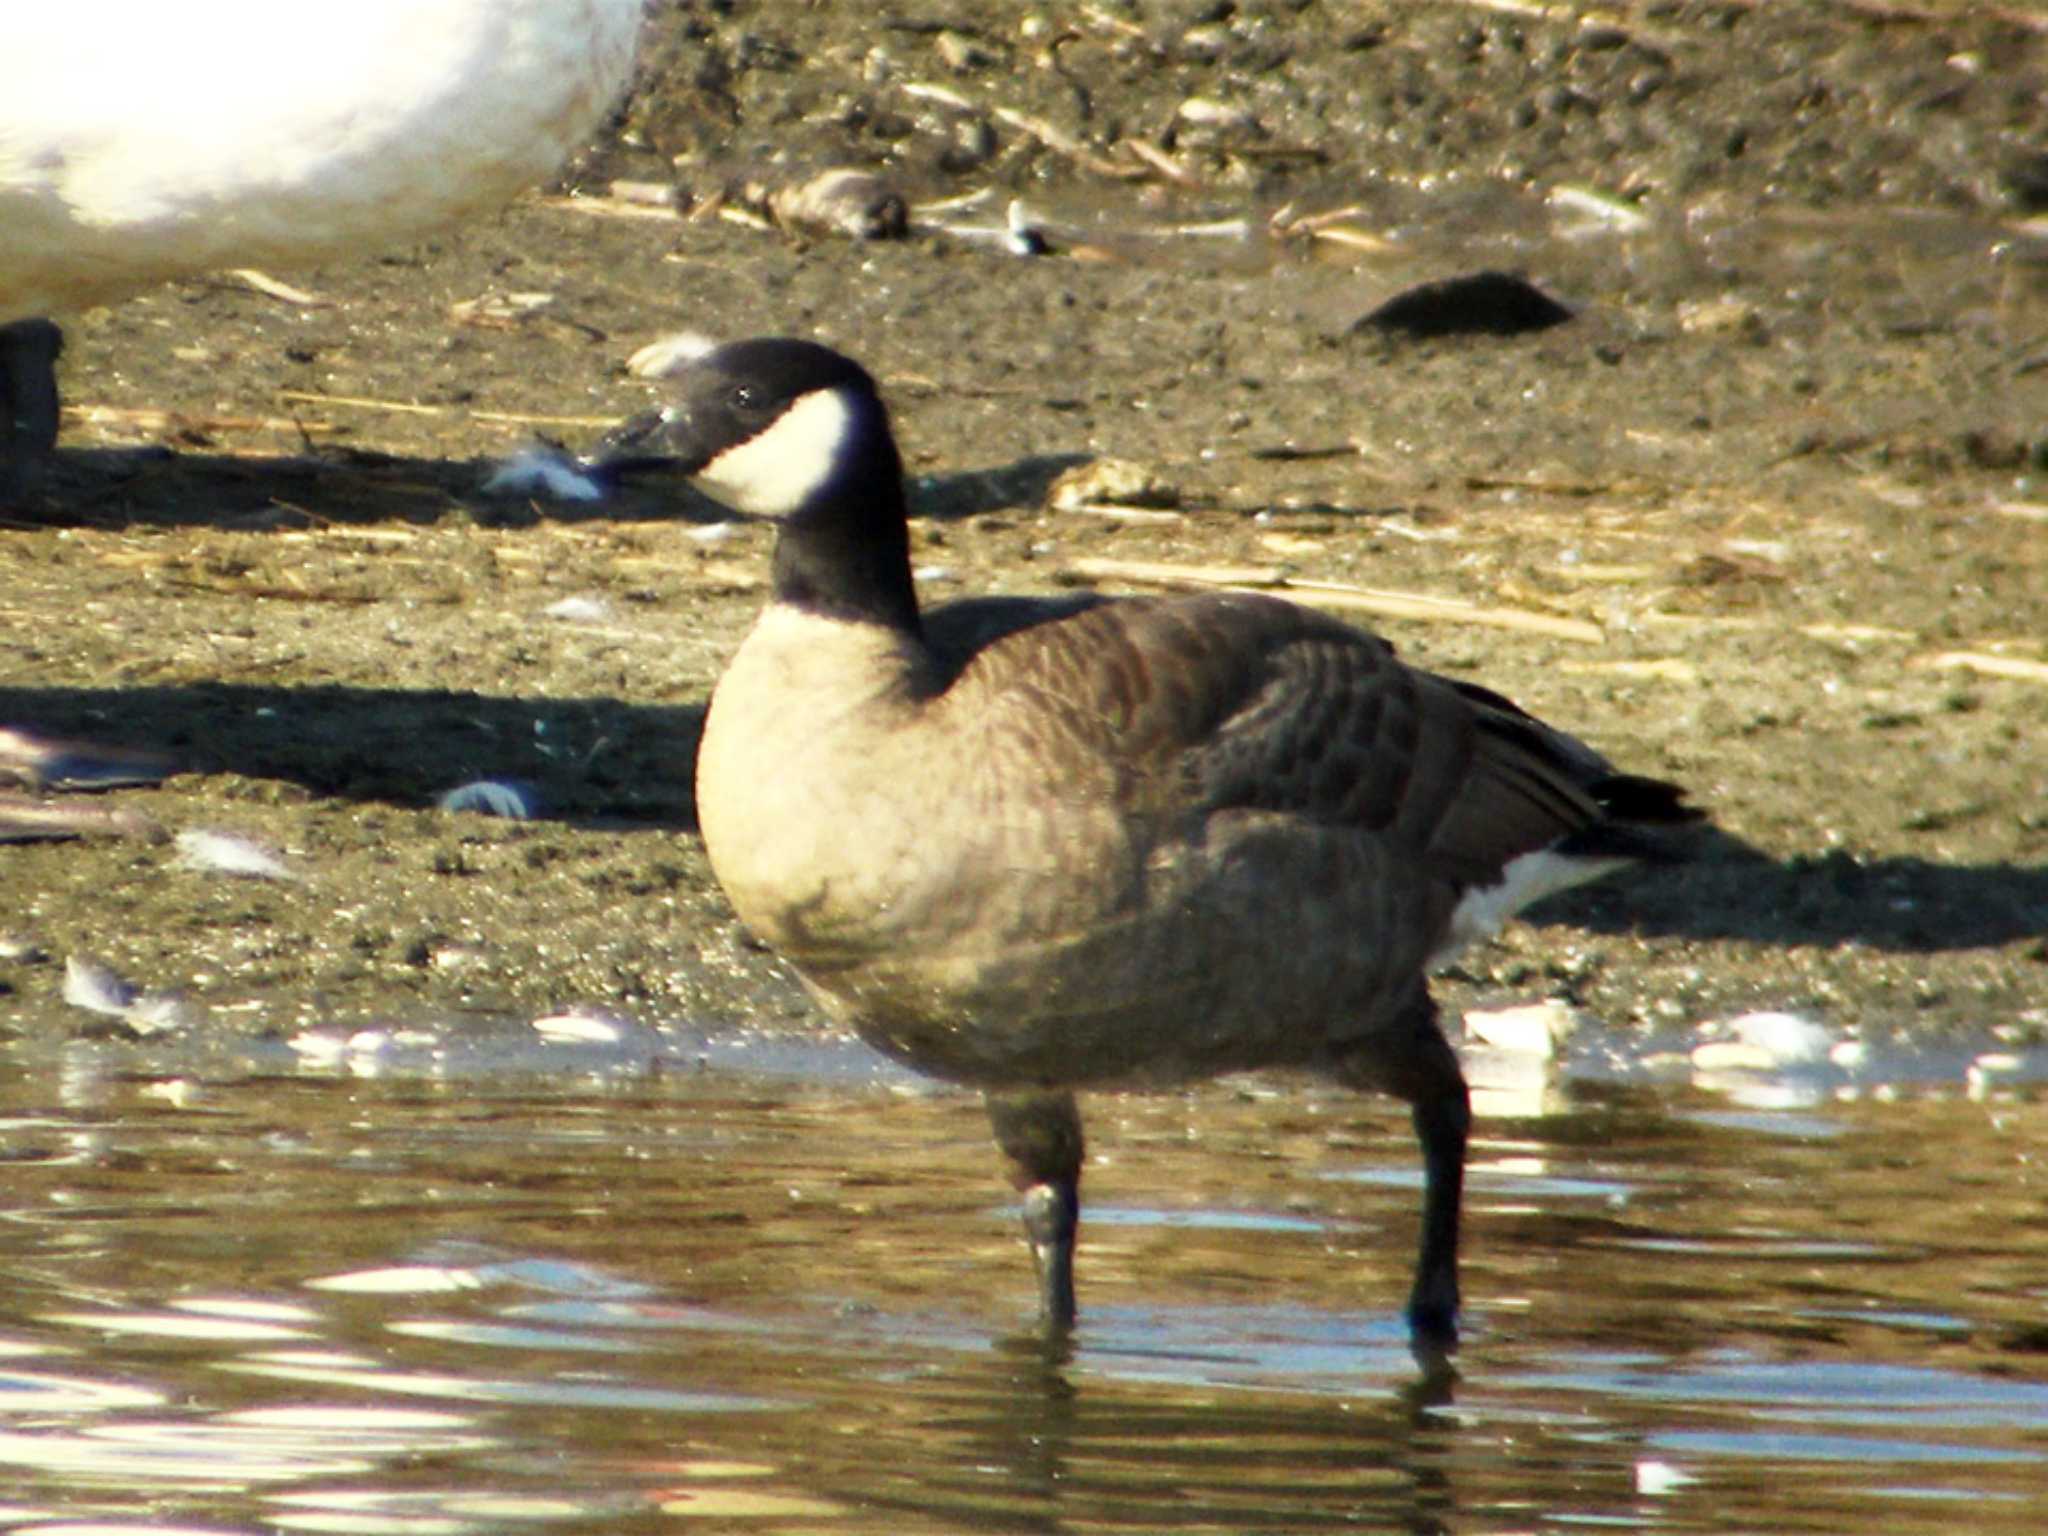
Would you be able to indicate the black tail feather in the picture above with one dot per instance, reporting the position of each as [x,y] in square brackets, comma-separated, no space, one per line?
[1644,819]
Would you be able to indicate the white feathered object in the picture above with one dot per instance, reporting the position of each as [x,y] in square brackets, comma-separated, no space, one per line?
[142,142]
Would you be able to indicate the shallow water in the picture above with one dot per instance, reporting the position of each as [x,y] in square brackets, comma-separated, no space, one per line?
[793,1300]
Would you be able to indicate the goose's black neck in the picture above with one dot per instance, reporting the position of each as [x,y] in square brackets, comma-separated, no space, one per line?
[846,552]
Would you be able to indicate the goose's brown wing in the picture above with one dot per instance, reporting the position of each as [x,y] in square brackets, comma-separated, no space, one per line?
[1236,700]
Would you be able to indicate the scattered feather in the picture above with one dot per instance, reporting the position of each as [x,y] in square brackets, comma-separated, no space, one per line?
[498,309]
[1015,236]
[669,355]
[229,853]
[97,987]
[595,1025]
[155,1012]
[542,470]
[1021,237]
[493,797]
[711,534]
[580,610]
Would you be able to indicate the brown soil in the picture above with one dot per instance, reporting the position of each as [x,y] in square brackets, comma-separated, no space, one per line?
[1789,457]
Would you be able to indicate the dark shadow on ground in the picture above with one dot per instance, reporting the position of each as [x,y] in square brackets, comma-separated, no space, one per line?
[157,487]
[978,492]
[1733,890]
[165,488]
[588,761]
[161,488]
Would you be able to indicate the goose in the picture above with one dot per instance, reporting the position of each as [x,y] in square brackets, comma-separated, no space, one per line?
[1037,845]
[140,143]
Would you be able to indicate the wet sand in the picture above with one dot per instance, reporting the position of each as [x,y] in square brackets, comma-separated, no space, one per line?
[1770,512]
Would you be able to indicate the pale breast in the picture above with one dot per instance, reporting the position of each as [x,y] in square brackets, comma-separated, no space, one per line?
[845,822]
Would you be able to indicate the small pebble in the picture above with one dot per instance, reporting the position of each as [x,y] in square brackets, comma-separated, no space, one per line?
[854,203]
[1717,316]
[962,54]
[1217,117]
[1111,482]
[22,949]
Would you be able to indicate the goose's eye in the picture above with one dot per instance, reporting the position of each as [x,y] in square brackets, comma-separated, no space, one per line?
[744,397]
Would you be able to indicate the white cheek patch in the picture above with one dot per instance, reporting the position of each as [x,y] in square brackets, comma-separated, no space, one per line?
[776,471]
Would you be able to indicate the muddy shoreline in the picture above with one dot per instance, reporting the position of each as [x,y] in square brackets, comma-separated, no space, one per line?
[1782,483]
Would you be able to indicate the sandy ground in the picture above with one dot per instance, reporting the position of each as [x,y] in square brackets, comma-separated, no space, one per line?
[1768,515]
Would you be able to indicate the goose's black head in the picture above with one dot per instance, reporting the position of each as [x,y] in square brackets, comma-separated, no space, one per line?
[790,430]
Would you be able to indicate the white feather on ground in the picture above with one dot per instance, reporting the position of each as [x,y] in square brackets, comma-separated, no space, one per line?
[98,988]
[229,853]
[492,797]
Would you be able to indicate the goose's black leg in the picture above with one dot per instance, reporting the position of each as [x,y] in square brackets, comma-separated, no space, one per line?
[1417,1064]
[28,404]
[1040,1135]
